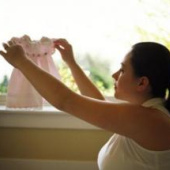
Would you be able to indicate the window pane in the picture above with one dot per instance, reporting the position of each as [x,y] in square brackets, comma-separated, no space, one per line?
[100,30]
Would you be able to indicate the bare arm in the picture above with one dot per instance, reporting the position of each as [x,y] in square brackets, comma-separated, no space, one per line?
[85,85]
[126,119]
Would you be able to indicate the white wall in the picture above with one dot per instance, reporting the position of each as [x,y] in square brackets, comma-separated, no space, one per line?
[24,164]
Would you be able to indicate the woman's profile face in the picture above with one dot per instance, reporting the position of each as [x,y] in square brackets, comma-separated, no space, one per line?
[125,81]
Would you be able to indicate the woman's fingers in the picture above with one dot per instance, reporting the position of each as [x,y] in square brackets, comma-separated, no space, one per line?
[6,47]
[61,42]
[11,43]
[2,53]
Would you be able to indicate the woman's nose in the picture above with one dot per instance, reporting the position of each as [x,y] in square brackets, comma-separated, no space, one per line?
[115,75]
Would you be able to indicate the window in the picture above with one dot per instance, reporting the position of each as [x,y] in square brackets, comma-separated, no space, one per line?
[101,32]
[102,29]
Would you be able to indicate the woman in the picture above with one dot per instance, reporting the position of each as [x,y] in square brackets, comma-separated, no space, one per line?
[141,126]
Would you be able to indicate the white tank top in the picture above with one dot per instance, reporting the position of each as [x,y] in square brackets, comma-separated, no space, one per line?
[122,153]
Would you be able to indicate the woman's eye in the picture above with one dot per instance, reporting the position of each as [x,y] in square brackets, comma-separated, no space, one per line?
[121,70]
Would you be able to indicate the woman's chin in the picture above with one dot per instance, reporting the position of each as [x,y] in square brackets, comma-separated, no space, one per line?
[118,97]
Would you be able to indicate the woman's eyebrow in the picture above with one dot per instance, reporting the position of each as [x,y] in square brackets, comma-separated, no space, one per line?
[122,64]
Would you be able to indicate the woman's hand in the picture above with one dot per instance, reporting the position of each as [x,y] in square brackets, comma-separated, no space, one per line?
[65,50]
[14,54]
[85,85]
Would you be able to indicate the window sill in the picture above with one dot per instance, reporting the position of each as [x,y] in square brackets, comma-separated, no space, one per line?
[48,117]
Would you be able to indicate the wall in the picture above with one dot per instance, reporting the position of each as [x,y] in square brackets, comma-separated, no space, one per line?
[51,144]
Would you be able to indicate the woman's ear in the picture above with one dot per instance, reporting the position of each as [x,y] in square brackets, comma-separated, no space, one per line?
[143,83]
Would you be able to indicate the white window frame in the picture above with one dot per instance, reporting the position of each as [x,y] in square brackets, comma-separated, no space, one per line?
[47,117]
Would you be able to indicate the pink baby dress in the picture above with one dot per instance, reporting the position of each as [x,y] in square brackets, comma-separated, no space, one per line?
[21,94]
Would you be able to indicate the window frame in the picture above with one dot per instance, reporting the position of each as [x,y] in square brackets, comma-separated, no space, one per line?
[47,117]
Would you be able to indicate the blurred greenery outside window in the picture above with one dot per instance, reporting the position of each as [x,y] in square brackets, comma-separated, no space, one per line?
[153,26]
[4,85]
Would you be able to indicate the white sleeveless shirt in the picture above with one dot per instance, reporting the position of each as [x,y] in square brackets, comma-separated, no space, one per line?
[122,153]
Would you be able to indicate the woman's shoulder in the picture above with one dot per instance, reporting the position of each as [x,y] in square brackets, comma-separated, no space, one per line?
[155,132]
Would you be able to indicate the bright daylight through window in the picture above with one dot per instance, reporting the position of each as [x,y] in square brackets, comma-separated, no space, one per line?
[100,31]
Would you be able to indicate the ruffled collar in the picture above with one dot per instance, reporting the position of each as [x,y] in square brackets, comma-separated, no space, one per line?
[157,103]
[35,48]
[154,102]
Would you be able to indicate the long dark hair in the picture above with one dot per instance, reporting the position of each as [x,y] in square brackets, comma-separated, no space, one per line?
[152,60]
